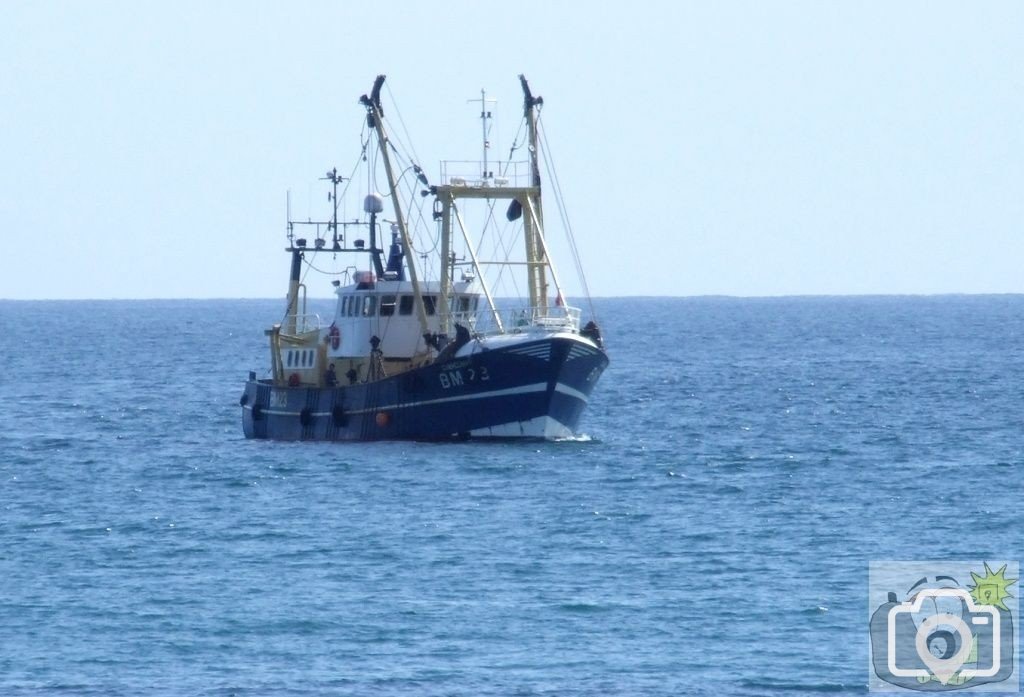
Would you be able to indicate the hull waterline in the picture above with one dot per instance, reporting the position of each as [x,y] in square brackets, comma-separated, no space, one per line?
[535,390]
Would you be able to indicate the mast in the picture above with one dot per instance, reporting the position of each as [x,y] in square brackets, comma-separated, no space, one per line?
[447,270]
[376,121]
[447,194]
[524,199]
[533,225]
[293,291]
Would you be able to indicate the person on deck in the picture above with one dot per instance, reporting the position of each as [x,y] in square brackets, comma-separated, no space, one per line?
[330,377]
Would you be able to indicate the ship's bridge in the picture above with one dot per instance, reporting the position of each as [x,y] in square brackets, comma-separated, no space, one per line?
[386,309]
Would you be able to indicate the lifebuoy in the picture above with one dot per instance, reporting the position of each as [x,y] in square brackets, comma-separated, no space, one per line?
[335,335]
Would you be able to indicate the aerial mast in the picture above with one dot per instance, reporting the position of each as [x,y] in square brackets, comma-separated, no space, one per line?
[485,117]
[333,177]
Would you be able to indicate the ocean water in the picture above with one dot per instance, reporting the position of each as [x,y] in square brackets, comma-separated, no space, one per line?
[743,462]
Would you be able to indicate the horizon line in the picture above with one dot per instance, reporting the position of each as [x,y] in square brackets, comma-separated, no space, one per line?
[593,297]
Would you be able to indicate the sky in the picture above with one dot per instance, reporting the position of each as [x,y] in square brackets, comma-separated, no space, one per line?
[724,148]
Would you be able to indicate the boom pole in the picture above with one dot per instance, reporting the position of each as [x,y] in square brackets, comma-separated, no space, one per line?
[536,259]
[376,119]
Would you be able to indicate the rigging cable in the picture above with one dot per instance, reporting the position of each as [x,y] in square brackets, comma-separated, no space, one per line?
[401,121]
[499,237]
[549,165]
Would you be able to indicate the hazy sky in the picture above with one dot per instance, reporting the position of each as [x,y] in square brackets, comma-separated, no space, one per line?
[739,148]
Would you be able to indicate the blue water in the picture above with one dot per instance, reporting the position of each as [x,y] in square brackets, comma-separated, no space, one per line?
[744,461]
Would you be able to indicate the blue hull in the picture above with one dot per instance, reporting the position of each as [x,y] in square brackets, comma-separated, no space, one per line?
[534,390]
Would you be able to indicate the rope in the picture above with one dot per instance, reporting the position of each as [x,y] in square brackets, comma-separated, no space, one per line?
[318,270]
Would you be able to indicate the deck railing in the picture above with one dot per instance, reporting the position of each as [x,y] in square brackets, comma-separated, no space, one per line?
[305,323]
[499,173]
[514,320]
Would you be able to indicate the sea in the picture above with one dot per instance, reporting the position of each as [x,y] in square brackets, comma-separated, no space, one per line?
[709,531]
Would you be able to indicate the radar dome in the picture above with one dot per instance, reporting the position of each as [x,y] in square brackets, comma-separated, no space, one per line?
[373,203]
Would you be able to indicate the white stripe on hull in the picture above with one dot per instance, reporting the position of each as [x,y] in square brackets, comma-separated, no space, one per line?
[525,389]
[539,427]
[566,390]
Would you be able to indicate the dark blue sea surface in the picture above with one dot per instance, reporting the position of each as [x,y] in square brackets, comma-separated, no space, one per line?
[744,460]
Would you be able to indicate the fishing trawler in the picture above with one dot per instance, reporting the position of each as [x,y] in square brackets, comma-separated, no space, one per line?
[421,344]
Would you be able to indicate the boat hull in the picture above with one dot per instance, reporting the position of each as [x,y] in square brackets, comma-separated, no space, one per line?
[533,389]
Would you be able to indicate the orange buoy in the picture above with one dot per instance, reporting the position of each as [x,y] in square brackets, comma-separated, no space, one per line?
[383,419]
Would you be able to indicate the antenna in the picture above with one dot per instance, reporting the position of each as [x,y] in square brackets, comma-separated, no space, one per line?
[485,116]
[288,214]
[332,176]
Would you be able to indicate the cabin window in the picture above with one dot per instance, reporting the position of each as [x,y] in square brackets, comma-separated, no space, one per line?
[430,304]
[464,303]
[344,306]
[297,359]
[358,303]
[370,305]
[387,305]
[405,306]
[476,302]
